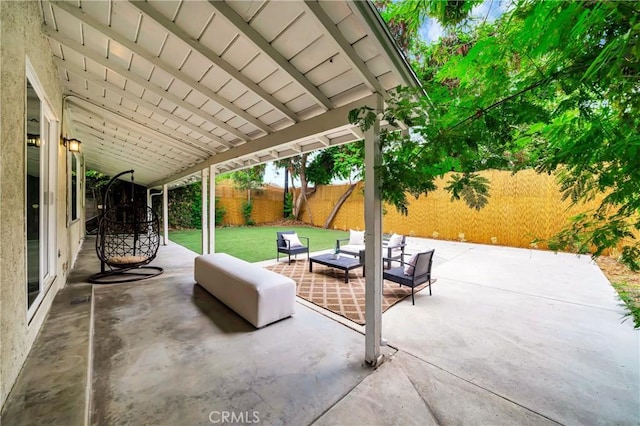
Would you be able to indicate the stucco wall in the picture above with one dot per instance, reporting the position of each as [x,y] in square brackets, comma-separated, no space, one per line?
[21,36]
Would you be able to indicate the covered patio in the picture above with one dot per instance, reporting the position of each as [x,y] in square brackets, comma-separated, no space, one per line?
[510,336]
[181,91]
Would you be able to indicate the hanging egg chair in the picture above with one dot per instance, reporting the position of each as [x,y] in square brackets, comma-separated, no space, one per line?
[128,240]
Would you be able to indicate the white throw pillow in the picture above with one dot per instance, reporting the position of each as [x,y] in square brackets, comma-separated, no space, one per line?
[293,239]
[356,237]
[394,241]
[410,265]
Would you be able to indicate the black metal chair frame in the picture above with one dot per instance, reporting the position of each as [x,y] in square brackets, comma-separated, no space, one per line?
[127,240]
[421,273]
[284,246]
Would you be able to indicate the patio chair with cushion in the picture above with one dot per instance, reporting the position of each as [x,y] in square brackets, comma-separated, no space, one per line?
[413,273]
[288,242]
[392,246]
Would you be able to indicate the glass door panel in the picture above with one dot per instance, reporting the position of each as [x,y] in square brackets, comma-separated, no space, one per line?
[34,194]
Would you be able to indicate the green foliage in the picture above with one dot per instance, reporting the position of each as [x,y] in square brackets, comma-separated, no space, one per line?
[349,161]
[630,303]
[220,212]
[549,85]
[470,186]
[95,183]
[320,170]
[288,205]
[247,209]
[405,17]
[249,179]
[411,162]
[185,206]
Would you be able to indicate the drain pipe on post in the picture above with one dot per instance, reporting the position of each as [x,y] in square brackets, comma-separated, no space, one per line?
[204,219]
[212,209]
[165,214]
[150,197]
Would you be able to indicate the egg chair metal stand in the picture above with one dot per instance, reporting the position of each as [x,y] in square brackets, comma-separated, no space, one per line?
[127,241]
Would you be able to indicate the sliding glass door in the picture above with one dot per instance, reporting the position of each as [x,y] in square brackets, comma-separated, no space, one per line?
[41,154]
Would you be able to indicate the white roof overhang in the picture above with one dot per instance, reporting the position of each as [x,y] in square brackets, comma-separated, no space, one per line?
[171,87]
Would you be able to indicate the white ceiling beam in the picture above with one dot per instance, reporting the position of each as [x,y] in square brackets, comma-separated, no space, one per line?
[332,33]
[148,86]
[171,148]
[341,140]
[131,146]
[264,46]
[132,158]
[148,105]
[106,153]
[379,34]
[357,132]
[140,124]
[210,55]
[320,124]
[300,148]
[137,141]
[160,64]
[324,140]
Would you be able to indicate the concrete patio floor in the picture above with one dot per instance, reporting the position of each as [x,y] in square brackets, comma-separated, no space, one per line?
[510,336]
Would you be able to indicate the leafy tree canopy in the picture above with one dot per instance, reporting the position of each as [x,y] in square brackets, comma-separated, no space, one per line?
[550,85]
[249,179]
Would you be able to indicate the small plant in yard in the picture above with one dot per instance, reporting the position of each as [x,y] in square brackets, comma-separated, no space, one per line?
[220,212]
[626,283]
[247,209]
[288,205]
[632,303]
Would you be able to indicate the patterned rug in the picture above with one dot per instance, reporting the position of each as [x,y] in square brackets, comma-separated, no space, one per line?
[325,287]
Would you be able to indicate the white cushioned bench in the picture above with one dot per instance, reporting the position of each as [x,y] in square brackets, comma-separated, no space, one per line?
[256,294]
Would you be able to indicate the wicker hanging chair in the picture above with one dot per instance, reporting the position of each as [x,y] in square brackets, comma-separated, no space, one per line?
[128,240]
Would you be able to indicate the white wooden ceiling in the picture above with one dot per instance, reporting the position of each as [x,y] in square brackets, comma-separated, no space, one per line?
[170,87]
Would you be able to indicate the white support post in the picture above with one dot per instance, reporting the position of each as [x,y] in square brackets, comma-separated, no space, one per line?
[165,214]
[149,198]
[212,209]
[205,215]
[373,241]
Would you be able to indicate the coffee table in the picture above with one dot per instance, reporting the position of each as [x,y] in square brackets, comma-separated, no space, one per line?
[344,263]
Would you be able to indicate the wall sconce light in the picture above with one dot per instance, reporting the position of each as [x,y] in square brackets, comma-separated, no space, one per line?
[33,140]
[73,145]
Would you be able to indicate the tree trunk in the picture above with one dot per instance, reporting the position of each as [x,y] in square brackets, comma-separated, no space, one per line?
[338,205]
[296,199]
[302,195]
[306,200]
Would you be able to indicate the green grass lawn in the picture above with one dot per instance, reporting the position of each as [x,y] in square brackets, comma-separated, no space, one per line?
[256,243]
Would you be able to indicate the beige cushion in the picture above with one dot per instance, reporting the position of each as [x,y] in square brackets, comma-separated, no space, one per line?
[356,237]
[353,249]
[126,260]
[394,241]
[293,239]
[410,265]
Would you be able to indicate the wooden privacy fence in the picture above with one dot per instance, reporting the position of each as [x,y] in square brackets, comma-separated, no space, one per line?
[522,207]
[268,204]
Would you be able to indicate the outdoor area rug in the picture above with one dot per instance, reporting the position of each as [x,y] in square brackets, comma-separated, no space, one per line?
[325,287]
